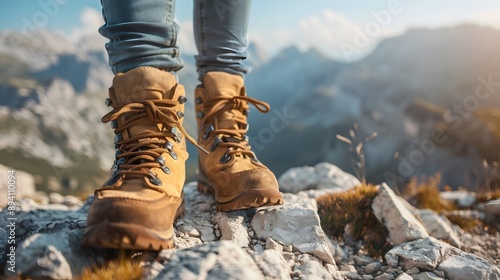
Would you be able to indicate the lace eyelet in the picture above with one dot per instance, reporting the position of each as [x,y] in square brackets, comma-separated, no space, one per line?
[174,155]
[217,141]
[108,102]
[200,114]
[182,99]
[225,158]
[180,114]
[208,128]
[155,181]
[114,124]
[160,160]
[169,146]
[165,169]
[198,100]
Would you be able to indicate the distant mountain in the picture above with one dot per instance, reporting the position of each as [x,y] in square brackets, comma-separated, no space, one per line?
[439,66]
[52,89]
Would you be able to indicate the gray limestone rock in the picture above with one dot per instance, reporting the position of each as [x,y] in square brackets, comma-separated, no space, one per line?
[463,199]
[215,260]
[233,227]
[424,254]
[314,270]
[296,225]
[429,254]
[426,276]
[322,176]
[273,265]
[398,220]
[439,227]
[462,266]
[491,207]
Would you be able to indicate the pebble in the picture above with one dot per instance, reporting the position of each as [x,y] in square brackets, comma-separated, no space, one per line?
[372,267]
[385,276]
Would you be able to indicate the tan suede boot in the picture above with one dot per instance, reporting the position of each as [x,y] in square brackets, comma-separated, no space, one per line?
[231,170]
[136,207]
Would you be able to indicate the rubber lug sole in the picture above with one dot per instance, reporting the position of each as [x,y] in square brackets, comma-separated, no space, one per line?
[129,236]
[245,200]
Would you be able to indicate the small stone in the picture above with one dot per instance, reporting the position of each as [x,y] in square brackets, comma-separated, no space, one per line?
[55,198]
[345,267]
[426,276]
[273,245]
[367,277]
[289,258]
[288,248]
[70,200]
[413,270]
[372,267]
[272,264]
[491,207]
[186,229]
[462,198]
[351,275]
[438,273]
[363,260]
[391,270]
[385,276]
[404,276]
[232,227]
[258,248]
[296,225]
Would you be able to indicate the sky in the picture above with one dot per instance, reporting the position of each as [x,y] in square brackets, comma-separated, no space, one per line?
[343,30]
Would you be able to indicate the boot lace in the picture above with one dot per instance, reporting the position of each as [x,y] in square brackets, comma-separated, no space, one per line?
[235,140]
[136,155]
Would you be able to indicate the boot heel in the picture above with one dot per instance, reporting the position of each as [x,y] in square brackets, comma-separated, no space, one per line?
[204,188]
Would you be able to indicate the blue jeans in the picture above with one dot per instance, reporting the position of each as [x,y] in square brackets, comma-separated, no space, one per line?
[144,33]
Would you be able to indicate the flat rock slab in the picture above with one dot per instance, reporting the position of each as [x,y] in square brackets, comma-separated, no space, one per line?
[429,254]
[297,225]
[48,243]
[216,260]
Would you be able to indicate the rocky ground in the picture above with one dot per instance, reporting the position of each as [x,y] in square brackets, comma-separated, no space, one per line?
[284,242]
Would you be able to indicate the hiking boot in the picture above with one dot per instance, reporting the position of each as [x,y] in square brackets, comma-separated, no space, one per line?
[230,171]
[137,206]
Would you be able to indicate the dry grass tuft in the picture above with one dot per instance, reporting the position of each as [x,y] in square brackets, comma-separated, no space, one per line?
[121,268]
[468,225]
[353,208]
[487,196]
[427,195]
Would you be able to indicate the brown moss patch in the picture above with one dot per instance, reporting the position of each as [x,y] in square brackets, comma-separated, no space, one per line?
[124,267]
[353,208]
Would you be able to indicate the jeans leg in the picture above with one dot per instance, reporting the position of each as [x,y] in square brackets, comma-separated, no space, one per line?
[220,28]
[141,33]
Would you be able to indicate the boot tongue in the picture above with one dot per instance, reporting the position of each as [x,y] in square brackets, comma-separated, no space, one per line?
[143,83]
[219,84]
